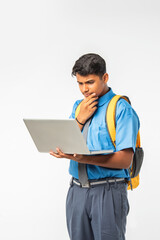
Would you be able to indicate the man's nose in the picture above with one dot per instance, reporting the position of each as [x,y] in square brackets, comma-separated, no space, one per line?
[85,88]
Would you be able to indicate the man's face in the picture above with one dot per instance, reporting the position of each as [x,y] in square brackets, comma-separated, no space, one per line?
[92,84]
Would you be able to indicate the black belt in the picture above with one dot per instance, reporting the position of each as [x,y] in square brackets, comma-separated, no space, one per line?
[92,183]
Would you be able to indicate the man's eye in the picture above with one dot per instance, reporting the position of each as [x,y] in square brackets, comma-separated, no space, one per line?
[91,82]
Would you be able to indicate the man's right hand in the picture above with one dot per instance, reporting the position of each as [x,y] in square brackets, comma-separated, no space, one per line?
[87,108]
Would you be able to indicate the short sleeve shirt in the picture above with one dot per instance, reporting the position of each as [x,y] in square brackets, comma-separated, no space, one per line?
[127,126]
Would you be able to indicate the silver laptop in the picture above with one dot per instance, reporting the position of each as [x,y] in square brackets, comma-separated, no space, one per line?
[64,134]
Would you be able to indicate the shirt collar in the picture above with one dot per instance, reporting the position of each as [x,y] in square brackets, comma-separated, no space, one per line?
[105,98]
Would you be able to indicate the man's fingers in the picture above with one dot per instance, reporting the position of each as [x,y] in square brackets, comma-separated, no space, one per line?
[60,154]
[93,95]
[54,154]
[59,151]
[94,109]
[92,100]
[93,105]
[64,155]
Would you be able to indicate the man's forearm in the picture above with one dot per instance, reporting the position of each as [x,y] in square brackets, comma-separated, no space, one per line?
[119,160]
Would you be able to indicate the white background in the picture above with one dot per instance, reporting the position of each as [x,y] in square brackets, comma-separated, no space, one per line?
[39,42]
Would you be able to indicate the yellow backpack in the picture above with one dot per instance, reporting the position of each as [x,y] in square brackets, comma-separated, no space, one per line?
[139,153]
[111,126]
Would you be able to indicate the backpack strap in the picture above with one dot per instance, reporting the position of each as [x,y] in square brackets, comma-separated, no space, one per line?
[111,117]
[78,109]
[138,142]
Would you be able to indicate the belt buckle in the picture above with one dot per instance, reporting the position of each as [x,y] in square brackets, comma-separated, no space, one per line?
[85,185]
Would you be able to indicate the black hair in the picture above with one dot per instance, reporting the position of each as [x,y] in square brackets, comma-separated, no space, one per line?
[90,63]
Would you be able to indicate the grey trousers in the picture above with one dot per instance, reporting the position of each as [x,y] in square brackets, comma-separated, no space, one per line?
[97,213]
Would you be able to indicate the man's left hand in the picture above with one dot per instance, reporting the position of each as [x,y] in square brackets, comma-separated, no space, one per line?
[60,154]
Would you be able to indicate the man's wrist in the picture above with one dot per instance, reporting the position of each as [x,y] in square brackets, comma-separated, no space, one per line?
[81,123]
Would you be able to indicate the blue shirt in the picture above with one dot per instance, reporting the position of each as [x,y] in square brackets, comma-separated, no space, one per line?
[127,126]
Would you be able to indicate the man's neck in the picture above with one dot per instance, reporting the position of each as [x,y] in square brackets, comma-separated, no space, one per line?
[106,89]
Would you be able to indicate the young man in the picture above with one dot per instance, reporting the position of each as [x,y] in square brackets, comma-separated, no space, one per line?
[98,210]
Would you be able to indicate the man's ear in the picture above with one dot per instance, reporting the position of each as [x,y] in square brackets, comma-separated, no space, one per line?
[105,77]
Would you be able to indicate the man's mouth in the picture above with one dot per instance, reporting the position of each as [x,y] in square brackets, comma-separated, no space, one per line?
[87,94]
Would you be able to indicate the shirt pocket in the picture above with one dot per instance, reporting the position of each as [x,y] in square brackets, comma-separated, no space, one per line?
[99,138]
